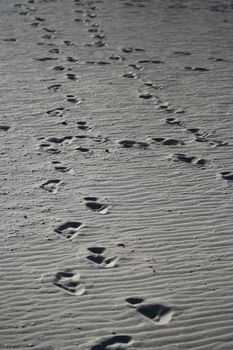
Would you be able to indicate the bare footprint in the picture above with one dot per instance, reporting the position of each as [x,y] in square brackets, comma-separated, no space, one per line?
[150,60]
[196,69]
[104,261]
[158,313]
[180,157]
[72,99]
[55,87]
[131,49]
[131,143]
[146,95]
[49,149]
[82,125]
[4,128]
[130,75]
[115,342]
[96,206]
[69,282]
[167,141]
[56,112]
[60,140]
[227,175]
[173,121]
[71,76]
[62,168]
[69,229]
[51,185]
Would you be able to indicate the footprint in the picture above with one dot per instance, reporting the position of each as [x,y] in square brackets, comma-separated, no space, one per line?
[131,143]
[55,50]
[116,57]
[60,140]
[180,157]
[97,207]
[44,59]
[130,75]
[69,282]
[35,24]
[167,106]
[4,127]
[57,112]
[198,132]
[136,66]
[99,36]
[146,95]
[116,342]
[82,125]
[102,63]
[167,141]
[227,175]
[196,69]
[46,36]
[153,61]
[72,60]
[82,149]
[61,168]
[55,87]
[49,149]
[215,59]
[173,121]
[160,314]
[58,68]
[69,229]
[131,49]
[49,30]
[217,143]
[182,53]
[40,19]
[91,15]
[72,99]
[71,76]
[68,43]
[51,185]
[101,260]
[9,40]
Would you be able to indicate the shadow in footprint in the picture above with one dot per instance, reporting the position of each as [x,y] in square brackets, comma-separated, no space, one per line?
[146,95]
[131,143]
[54,88]
[173,121]
[82,125]
[227,175]
[59,140]
[97,207]
[51,185]
[4,127]
[69,229]
[62,168]
[69,282]
[180,157]
[158,313]
[196,69]
[167,141]
[153,61]
[49,149]
[56,112]
[115,342]
[101,260]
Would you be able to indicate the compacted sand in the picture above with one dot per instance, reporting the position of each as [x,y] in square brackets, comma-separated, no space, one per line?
[116,174]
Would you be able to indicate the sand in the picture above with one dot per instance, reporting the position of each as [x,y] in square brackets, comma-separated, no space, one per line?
[116,175]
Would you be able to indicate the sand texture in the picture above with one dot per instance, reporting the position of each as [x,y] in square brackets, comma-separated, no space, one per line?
[116,175]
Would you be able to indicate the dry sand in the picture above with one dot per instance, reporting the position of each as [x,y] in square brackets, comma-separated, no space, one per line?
[116,185]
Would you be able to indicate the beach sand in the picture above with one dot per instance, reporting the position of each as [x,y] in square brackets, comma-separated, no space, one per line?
[116,175]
